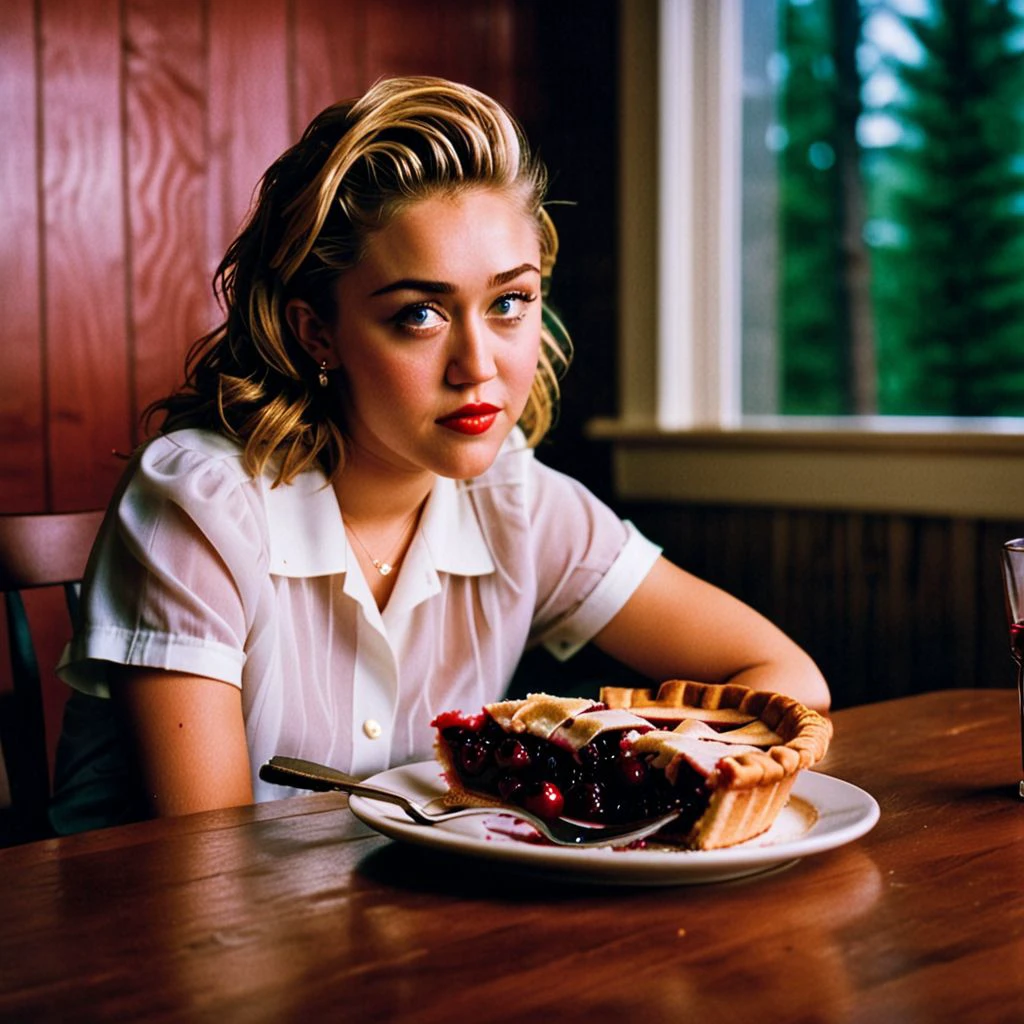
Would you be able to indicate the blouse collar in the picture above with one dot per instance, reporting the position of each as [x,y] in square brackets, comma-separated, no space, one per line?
[307,536]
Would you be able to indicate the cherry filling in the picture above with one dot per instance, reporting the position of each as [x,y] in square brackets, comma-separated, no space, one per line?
[603,781]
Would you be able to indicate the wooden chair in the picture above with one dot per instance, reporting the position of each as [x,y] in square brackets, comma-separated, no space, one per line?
[46,550]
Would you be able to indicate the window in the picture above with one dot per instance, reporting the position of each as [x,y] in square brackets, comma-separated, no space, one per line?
[739,353]
[887,137]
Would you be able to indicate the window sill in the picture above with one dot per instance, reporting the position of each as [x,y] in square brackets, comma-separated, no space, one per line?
[894,466]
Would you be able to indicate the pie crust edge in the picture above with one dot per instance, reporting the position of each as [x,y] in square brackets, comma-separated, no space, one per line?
[751,788]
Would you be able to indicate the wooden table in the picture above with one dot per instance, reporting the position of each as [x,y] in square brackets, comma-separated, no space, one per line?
[291,912]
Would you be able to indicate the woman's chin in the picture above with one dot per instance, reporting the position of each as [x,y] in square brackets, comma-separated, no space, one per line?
[468,461]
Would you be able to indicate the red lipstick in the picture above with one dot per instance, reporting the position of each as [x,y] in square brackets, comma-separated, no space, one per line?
[471,419]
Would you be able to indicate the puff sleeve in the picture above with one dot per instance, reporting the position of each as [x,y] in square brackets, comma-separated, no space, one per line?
[174,577]
[589,561]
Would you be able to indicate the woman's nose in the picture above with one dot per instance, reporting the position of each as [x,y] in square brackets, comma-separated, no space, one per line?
[472,358]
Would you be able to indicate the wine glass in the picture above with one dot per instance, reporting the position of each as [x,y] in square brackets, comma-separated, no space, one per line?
[1013,582]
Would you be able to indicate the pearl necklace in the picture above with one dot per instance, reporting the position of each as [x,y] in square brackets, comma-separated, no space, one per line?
[384,566]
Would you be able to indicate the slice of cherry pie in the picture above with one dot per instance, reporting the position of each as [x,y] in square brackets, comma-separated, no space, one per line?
[725,756]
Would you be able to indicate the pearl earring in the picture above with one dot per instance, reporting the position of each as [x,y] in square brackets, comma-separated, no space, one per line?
[322,377]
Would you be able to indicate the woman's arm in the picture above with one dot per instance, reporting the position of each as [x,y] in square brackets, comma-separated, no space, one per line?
[676,626]
[190,739]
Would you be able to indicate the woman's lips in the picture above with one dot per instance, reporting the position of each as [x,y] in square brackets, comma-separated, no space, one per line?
[471,419]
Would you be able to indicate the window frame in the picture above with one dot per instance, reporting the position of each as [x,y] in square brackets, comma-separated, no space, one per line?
[679,434]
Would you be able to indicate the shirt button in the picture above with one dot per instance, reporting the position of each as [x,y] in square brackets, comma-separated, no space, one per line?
[372,728]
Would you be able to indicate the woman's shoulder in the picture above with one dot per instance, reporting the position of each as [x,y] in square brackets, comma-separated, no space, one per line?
[192,468]
[192,480]
[193,446]
[193,452]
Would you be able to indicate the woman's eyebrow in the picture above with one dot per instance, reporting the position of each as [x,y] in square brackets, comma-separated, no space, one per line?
[511,275]
[414,284]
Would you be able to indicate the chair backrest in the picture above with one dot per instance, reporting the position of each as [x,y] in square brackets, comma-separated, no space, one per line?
[35,551]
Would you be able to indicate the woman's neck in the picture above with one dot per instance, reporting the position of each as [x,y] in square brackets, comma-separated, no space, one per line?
[381,510]
[375,495]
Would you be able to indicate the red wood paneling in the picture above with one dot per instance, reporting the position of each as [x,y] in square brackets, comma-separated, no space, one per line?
[165,106]
[328,56]
[477,47]
[22,443]
[341,49]
[248,105]
[83,201]
[395,34]
[474,42]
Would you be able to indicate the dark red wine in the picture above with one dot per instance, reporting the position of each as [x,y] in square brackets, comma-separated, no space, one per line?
[1017,650]
[1017,641]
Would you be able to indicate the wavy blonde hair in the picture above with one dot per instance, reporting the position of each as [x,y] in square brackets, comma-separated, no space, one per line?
[356,165]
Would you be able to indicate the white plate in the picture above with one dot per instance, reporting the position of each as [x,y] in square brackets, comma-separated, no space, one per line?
[822,813]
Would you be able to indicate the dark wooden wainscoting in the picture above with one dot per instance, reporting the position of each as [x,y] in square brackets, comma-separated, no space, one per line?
[886,604]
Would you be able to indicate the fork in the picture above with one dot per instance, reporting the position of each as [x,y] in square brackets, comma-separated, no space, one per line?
[293,771]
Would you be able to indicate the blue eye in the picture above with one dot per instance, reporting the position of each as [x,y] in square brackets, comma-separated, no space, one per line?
[419,318]
[513,305]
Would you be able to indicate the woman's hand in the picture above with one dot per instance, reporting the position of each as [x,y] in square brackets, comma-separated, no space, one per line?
[676,626]
[189,737]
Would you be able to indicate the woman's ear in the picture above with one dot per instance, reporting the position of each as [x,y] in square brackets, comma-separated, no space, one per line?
[310,332]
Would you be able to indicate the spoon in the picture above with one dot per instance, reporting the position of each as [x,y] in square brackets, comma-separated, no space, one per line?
[292,771]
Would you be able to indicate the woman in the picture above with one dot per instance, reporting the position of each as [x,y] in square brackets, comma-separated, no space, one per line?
[341,529]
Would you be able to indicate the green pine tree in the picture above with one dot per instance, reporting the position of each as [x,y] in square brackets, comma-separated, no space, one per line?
[826,337]
[949,278]
[812,330]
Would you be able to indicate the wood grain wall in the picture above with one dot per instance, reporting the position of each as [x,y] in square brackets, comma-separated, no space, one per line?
[133,133]
[887,605]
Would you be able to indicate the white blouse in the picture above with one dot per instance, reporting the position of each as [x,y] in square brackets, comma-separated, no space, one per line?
[202,568]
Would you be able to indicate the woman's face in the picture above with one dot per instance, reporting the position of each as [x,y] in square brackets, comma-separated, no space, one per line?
[438,334]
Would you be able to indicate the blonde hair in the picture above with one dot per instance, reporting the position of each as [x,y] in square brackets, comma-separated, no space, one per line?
[356,165]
